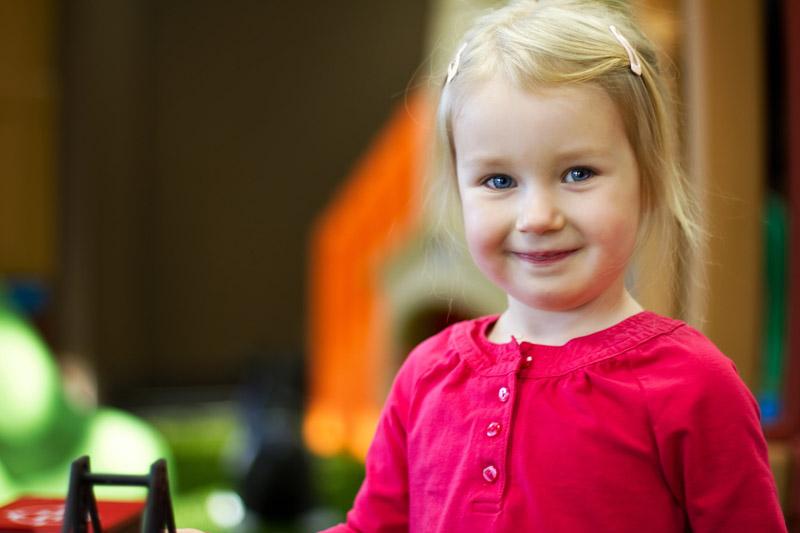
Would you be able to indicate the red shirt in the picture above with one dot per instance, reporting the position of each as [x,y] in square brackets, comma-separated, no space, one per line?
[644,426]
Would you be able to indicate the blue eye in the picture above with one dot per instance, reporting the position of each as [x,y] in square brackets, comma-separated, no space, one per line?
[499,181]
[577,174]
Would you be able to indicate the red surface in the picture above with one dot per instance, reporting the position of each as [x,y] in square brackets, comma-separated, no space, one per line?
[43,515]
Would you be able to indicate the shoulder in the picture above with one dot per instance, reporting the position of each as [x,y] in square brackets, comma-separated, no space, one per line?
[441,351]
[682,370]
[683,353]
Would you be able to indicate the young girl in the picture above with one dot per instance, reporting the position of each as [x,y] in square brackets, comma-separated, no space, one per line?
[574,410]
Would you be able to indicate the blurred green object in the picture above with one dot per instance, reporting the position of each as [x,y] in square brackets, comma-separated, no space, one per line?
[775,292]
[6,484]
[337,480]
[36,423]
[27,406]
[190,510]
[200,436]
[41,433]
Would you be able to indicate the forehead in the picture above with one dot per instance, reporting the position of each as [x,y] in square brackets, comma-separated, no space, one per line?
[497,116]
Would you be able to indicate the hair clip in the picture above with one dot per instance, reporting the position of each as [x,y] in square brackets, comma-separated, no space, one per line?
[452,68]
[636,66]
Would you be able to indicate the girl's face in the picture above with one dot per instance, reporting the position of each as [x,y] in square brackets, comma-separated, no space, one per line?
[549,188]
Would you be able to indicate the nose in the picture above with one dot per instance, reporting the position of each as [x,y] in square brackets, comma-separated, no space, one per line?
[539,212]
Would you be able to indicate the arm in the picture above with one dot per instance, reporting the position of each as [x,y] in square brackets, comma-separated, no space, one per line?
[712,450]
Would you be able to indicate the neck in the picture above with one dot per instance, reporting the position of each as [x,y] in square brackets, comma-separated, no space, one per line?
[557,327]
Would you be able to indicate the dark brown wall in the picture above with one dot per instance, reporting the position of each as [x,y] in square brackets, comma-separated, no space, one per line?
[201,138]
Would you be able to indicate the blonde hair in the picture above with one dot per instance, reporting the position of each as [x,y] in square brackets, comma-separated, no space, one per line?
[552,42]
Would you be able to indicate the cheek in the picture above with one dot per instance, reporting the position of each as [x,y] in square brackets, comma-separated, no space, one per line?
[475,234]
[615,230]
[615,219]
[484,235]
[482,225]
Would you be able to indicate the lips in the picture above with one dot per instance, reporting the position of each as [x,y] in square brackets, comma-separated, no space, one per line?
[545,256]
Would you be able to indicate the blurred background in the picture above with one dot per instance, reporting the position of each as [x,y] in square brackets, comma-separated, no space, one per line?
[219,234]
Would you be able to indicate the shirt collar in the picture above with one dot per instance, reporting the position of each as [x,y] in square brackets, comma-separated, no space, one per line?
[491,359]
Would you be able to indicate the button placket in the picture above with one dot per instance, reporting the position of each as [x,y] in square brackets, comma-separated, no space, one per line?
[493,464]
[503,426]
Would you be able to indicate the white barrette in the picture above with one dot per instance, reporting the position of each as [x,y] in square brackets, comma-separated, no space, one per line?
[636,67]
[452,68]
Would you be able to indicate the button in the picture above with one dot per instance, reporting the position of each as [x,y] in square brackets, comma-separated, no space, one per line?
[503,394]
[527,361]
[493,429]
[490,474]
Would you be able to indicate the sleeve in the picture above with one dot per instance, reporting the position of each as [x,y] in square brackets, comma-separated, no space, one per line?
[712,450]
[381,505]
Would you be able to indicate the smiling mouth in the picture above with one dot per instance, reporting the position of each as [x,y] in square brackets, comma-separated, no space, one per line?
[545,257]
